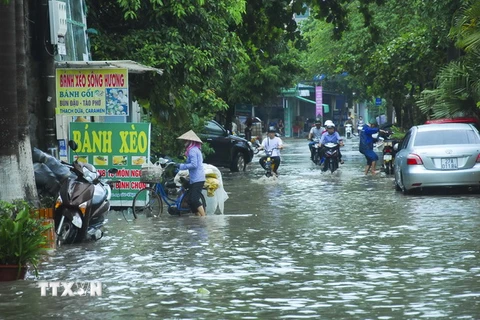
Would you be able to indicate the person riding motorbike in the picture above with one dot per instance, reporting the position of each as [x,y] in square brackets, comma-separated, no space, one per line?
[348,127]
[274,144]
[349,121]
[360,124]
[331,136]
[314,136]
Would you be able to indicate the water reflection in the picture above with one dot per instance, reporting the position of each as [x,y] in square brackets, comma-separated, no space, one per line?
[305,246]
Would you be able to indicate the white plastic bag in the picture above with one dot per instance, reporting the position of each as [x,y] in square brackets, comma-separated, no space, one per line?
[151,172]
[215,202]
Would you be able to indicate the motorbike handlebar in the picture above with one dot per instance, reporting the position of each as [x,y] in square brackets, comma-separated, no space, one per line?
[111,183]
[257,150]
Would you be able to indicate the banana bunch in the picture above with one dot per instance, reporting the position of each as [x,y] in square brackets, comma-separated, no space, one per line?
[100,161]
[139,161]
[82,159]
[119,160]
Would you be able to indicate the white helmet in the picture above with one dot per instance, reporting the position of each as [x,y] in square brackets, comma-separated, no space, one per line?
[329,123]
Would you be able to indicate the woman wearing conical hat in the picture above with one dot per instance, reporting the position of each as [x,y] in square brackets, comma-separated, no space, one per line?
[194,165]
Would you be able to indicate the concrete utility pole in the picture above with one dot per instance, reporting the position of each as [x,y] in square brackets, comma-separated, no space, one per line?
[48,76]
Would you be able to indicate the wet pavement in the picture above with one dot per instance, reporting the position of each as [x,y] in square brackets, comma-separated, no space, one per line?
[304,246]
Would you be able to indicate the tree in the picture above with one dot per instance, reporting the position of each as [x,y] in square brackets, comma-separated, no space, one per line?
[191,41]
[394,54]
[16,165]
[457,90]
[215,54]
[268,34]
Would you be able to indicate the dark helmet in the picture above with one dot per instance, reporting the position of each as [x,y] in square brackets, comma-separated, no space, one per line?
[272,129]
[318,121]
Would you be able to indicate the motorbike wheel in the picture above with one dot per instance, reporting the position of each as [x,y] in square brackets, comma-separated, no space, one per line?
[68,233]
[268,169]
[316,158]
[151,208]
[333,165]
[326,164]
[388,167]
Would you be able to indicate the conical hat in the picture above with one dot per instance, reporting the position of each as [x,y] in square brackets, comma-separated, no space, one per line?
[190,136]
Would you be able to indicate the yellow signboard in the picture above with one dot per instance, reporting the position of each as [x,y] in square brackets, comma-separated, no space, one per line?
[92,92]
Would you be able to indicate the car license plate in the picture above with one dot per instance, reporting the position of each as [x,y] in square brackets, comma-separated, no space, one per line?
[449,163]
[387,157]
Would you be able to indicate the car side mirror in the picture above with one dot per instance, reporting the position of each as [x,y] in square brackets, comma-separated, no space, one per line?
[395,147]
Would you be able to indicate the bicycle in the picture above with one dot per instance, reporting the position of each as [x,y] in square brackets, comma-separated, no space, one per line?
[150,200]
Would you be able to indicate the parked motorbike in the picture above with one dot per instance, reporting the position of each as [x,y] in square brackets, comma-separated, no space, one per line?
[331,157]
[388,151]
[348,130]
[83,203]
[50,174]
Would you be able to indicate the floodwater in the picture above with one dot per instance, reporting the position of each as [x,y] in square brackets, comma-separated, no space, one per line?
[304,246]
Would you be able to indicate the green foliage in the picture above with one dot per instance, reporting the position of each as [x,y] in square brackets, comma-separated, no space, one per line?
[457,85]
[268,38]
[466,28]
[398,133]
[214,54]
[191,41]
[21,235]
[388,48]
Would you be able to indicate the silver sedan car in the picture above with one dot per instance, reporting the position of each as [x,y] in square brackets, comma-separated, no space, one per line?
[438,155]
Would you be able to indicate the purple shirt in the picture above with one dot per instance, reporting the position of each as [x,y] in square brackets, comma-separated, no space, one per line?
[194,165]
[327,138]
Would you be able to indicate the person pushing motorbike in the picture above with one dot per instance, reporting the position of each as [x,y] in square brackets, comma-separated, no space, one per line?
[314,136]
[274,144]
[331,136]
[366,145]
[193,145]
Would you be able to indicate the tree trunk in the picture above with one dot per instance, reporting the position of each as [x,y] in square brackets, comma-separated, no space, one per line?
[10,188]
[24,146]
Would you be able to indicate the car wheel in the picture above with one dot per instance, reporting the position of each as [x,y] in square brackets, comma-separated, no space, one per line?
[403,188]
[397,187]
[238,163]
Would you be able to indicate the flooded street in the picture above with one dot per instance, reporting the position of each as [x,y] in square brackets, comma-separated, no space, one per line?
[304,246]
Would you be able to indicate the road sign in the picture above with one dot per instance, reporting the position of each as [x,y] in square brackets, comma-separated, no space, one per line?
[378,101]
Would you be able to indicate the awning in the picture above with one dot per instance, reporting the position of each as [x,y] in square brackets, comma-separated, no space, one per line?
[305,99]
[131,66]
[326,107]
